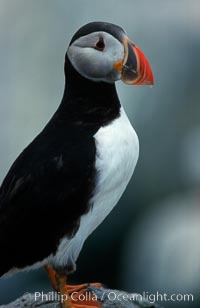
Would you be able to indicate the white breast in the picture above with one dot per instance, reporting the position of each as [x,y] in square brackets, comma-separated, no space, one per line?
[117,154]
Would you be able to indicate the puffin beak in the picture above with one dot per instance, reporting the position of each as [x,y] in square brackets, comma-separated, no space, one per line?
[135,68]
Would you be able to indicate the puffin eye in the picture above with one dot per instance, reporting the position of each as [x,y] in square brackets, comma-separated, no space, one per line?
[100,45]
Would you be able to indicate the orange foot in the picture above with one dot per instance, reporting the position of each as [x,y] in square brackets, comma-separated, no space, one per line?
[73,296]
[82,297]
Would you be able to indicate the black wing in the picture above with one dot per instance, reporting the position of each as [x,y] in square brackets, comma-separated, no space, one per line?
[44,194]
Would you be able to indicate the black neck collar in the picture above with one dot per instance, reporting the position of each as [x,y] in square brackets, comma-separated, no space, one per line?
[87,102]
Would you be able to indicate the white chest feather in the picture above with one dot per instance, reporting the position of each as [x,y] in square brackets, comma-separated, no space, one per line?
[117,153]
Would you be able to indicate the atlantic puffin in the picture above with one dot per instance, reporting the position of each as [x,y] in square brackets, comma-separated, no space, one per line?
[69,178]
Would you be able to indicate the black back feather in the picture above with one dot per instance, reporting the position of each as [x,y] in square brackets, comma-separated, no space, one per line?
[49,186]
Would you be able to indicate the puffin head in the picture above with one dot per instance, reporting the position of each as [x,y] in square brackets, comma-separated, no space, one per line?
[102,52]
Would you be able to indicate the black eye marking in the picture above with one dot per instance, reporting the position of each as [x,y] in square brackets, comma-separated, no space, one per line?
[100,45]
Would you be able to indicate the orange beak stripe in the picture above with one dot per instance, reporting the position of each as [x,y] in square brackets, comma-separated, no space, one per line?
[145,75]
[135,67]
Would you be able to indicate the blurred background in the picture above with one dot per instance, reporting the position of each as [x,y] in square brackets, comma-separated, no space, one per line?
[150,242]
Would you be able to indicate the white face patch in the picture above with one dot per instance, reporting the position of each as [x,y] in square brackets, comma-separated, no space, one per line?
[95,64]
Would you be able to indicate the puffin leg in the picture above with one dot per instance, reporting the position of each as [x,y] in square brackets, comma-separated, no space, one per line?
[65,296]
[74,296]
[52,276]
